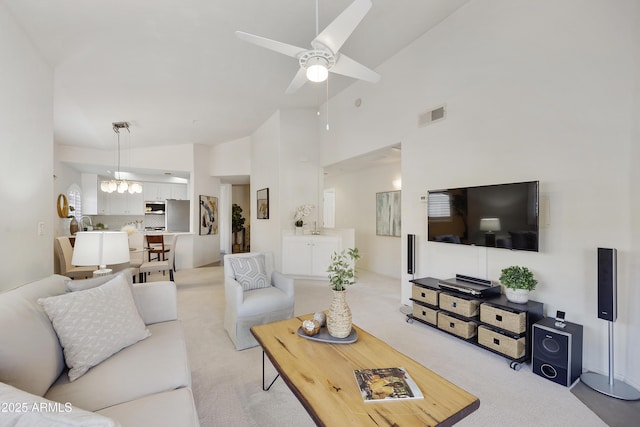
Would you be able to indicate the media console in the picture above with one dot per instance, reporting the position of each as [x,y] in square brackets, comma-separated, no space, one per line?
[491,322]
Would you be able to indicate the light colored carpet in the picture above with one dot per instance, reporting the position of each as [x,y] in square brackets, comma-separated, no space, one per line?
[227,383]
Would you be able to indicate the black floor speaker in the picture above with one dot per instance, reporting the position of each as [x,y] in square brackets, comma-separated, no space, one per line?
[607,284]
[411,253]
[557,352]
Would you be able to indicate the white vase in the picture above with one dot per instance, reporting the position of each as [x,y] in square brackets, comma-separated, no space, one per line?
[299,231]
[339,316]
[519,296]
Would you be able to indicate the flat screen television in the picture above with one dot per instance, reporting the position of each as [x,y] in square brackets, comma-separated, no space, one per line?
[499,216]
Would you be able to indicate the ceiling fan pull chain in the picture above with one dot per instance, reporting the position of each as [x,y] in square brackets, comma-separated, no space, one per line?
[327,103]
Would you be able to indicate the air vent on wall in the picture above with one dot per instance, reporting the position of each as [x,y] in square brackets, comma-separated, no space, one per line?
[431,116]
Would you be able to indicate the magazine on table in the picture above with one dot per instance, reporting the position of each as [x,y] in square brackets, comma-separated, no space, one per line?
[386,384]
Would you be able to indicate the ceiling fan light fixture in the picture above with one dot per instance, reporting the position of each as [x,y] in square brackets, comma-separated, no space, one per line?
[317,70]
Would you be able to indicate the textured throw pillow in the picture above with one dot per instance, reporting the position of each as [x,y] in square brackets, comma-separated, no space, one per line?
[250,272]
[23,409]
[84,284]
[95,323]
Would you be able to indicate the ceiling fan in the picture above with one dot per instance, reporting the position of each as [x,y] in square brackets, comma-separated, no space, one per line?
[323,57]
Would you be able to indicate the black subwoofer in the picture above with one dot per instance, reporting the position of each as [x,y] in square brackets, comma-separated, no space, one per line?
[557,352]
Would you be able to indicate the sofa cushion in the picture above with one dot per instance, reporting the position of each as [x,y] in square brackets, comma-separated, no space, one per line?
[30,354]
[250,272]
[95,323]
[168,409]
[94,282]
[23,409]
[156,364]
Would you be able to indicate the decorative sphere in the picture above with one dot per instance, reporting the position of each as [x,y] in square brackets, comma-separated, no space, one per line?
[320,317]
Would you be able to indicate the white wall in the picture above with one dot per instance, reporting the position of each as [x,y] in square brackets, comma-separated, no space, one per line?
[206,248]
[299,166]
[265,165]
[356,208]
[26,176]
[284,159]
[534,91]
[231,158]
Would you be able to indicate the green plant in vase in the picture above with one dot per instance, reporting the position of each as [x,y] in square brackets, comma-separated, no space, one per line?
[518,282]
[342,273]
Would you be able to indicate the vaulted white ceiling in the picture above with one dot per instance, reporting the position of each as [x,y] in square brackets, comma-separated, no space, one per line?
[175,70]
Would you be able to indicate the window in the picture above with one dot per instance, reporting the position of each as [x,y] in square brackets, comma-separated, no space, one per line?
[439,205]
[74,195]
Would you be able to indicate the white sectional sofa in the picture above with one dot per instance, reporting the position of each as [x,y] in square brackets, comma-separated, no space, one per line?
[144,384]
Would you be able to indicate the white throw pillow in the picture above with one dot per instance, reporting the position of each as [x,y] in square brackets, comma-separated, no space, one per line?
[95,323]
[84,284]
[23,409]
[250,272]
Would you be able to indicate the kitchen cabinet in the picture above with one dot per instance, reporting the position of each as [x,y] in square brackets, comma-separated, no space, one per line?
[121,204]
[156,191]
[179,192]
[308,255]
[160,191]
[125,203]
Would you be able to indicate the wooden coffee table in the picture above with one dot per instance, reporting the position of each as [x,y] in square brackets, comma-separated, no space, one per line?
[321,376]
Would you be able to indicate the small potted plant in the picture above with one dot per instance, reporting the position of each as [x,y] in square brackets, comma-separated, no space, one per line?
[302,212]
[342,273]
[518,282]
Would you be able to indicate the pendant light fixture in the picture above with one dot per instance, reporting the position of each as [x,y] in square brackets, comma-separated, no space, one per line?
[118,184]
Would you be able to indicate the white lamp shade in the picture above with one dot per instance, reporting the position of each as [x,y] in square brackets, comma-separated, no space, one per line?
[100,248]
[490,224]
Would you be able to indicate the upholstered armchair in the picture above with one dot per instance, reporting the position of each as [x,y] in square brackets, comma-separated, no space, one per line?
[254,294]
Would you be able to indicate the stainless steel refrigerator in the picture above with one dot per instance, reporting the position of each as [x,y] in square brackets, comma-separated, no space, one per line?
[177,215]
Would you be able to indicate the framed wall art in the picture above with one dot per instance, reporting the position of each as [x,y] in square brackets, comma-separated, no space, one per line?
[263,203]
[208,215]
[388,213]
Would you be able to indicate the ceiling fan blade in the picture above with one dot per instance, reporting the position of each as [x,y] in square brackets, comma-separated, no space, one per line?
[298,81]
[350,68]
[277,46]
[341,28]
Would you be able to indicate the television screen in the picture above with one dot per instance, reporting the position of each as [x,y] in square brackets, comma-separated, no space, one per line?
[499,216]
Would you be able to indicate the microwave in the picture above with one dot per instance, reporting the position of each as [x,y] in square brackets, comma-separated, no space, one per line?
[154,207]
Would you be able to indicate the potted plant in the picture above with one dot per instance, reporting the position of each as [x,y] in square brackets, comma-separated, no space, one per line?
[342,273]
[237,226]
[518,282]
[301,212]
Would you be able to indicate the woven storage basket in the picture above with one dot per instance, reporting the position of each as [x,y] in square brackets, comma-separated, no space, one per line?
[429,296]
[463,307]
[507,320]
[456,326]
[508,346]
[429,315]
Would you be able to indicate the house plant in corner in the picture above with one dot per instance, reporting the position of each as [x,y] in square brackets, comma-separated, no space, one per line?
[518,281]
[342,273]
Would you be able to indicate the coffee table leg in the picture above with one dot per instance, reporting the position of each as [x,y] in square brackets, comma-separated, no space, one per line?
[274,380]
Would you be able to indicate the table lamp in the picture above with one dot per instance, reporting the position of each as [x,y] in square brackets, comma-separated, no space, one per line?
[100,248]
[489,225]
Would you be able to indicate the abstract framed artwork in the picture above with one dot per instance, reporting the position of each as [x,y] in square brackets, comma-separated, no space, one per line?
[263,203]
[388,213]
[208,215]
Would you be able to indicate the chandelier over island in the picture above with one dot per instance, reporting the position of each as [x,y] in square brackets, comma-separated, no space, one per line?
[118,184]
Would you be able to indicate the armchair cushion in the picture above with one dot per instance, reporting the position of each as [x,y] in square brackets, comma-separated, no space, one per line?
[250,272]
[94,324]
